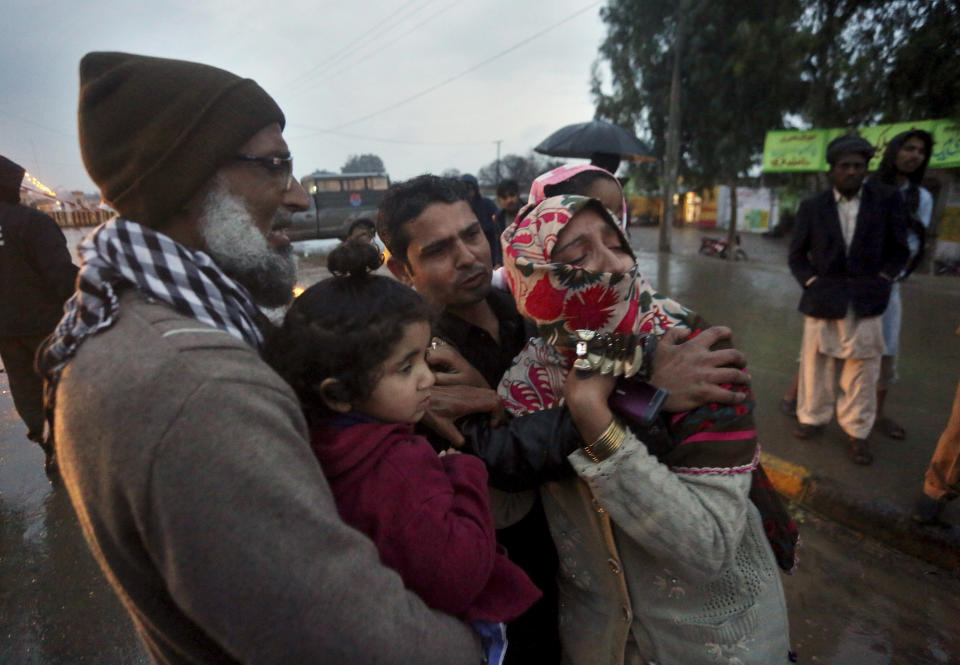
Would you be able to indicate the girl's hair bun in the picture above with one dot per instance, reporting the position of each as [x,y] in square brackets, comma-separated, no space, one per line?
[354,258]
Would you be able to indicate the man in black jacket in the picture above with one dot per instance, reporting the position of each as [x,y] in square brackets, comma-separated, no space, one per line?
[848,246]
[36,278]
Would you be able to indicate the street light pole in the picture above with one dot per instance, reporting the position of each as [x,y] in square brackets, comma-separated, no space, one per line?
[498,160]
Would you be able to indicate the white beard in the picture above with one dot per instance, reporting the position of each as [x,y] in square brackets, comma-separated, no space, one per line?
[238,247]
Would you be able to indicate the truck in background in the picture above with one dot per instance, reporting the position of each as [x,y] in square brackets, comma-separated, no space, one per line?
[336,200]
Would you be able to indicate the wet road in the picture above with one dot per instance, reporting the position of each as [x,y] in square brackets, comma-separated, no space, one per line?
[55,605]
[852,602]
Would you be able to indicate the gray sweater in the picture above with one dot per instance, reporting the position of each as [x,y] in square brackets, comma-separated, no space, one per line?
[187,461]
[663,567]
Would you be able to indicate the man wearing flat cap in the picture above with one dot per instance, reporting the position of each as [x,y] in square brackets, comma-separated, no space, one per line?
[36,277]
[848,246]
[185,455]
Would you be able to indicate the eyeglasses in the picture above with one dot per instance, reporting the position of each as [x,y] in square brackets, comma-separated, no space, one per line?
[277,165]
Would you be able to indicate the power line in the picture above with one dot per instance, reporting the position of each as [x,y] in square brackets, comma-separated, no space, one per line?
[36,124]
[344,51]
[353,63]
[502,53]
[315,130]
[345,59]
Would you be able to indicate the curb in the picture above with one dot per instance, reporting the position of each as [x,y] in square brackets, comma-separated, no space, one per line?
[882,521]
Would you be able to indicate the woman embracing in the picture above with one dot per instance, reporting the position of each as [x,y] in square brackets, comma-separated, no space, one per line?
[664,554]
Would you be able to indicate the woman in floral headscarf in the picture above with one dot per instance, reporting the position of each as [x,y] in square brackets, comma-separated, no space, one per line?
[663,555]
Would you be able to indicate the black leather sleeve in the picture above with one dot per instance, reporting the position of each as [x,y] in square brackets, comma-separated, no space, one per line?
[525,452]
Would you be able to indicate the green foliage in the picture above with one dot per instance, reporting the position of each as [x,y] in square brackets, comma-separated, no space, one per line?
[739,77]
[923,79]
[366,163]
[750,67]
[872,61]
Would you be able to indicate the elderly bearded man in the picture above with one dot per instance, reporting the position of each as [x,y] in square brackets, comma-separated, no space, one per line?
[184,454]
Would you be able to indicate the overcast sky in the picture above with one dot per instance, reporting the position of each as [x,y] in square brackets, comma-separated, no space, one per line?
[328,64]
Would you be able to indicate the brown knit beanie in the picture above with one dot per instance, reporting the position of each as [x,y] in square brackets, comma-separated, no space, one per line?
[154,131]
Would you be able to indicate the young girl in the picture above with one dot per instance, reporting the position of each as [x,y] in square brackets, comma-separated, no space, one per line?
[585,180]
[354,348]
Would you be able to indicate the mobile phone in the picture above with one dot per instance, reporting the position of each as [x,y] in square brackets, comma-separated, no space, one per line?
[637,401]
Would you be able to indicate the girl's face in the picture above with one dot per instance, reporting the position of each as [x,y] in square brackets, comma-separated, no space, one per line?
[402,393]
[588,241]
[608,193]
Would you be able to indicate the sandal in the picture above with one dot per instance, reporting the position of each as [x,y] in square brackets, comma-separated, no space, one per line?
[891,429]
[859,452]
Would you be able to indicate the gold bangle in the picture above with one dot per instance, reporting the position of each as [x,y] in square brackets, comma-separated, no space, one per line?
[607,443]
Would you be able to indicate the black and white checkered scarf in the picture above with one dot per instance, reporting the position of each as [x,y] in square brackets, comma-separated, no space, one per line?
[122,254]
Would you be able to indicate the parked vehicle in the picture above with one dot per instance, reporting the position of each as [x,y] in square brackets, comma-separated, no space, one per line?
[336,200]
[719,247]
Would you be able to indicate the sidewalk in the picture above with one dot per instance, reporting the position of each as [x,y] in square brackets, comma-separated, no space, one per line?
[758,300]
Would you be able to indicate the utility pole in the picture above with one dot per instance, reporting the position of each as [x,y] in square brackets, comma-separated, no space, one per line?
[498,161]
[672,157]
[732,229]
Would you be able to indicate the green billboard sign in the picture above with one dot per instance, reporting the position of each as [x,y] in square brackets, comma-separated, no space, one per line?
[806,150]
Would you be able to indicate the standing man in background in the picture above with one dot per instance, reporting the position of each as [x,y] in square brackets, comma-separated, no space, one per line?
[36,278]
[508,198]
[848,247]
[486,213]
[903,166]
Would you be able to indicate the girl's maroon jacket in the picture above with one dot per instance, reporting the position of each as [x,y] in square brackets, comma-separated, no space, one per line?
[429,517]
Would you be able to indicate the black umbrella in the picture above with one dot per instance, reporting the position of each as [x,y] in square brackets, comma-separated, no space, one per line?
[586,139]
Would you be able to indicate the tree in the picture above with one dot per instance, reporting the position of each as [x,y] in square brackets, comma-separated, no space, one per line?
[727,69]
[366,163]
[739,77]
[744,66]
[450,173]
[873,61]
[922,79]
[521,168]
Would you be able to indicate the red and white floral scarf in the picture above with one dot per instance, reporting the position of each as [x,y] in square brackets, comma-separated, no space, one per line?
[563,299]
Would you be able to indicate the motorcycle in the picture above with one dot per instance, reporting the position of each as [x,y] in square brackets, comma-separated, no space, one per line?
[719,247]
